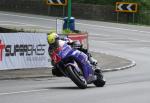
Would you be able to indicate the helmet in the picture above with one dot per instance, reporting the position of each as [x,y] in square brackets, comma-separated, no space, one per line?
[51,38]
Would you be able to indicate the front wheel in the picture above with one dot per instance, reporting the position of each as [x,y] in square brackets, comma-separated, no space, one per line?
[76,77]
[100,82]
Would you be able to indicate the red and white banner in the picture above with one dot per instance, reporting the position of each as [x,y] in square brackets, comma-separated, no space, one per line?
[23,50]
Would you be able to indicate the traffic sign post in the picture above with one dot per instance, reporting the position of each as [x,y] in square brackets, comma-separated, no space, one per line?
[126,7]
[57,3]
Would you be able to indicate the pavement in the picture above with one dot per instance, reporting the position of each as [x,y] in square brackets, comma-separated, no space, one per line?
[106,62]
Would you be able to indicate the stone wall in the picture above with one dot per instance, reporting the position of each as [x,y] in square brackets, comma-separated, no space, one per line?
[26,6]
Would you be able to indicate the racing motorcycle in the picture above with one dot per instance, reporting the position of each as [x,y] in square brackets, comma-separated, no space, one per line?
[74,64]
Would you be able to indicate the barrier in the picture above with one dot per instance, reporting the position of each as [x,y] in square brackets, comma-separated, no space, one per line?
[23,50]
[29,50]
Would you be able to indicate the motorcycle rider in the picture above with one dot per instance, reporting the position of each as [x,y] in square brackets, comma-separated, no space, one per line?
[55,41]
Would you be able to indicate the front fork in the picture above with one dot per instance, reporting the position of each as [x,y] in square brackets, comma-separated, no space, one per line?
[88,71]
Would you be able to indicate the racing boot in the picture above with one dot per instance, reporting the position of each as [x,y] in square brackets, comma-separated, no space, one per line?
[56,72]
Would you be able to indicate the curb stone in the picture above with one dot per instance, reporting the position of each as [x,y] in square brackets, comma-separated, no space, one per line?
[106,62]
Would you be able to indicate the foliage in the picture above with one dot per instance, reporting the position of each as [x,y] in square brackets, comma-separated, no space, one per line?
[144,4]
[100,2]
[67,31]
[143,15]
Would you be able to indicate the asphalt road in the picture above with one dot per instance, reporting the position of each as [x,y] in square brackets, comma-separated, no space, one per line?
[126,86]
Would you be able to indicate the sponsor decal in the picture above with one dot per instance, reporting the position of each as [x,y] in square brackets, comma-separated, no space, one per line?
[2,46]
[24,50]
[32,52]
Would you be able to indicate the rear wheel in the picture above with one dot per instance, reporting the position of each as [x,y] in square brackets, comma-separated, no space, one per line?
[76,77]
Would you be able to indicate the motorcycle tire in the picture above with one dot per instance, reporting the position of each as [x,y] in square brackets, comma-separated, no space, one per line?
[76,78]
[100,82]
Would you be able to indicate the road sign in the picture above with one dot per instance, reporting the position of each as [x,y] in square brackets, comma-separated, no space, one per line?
[56,2]
[126,7]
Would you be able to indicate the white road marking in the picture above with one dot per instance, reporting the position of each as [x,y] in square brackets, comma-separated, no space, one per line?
[27,17]
[24,25]
[19,92]
[12,22]
[17,24]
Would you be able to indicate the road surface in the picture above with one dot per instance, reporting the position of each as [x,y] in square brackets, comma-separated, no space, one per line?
[126,86]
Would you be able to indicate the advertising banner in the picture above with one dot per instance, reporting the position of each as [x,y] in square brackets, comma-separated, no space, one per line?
[23,50]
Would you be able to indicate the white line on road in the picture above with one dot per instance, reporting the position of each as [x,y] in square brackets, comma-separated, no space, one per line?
[18,24]
[12,22]
[19,92]
[15,25]
[27,17]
